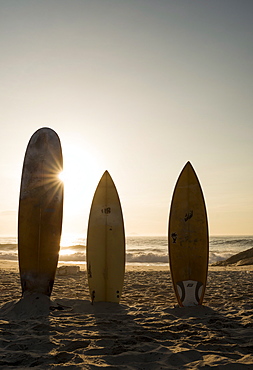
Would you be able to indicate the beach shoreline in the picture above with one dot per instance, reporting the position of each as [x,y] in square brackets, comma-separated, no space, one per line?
[13,266]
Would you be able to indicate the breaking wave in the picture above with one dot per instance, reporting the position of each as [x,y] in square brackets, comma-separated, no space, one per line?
[139,249]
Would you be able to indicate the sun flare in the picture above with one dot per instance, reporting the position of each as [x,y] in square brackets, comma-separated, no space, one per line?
[61,176]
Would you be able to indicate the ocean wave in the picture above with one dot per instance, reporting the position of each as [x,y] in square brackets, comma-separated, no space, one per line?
[8,247]
[73,257]
[239,241]
[147,242]
[130,258]
[74,247]
[141,258]
[147,258]
[139,250]
[9,256]
[216,257]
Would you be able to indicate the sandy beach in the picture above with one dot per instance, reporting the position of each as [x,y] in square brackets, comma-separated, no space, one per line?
[147,330]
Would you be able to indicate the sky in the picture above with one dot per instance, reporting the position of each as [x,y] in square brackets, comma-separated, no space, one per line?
[138,88]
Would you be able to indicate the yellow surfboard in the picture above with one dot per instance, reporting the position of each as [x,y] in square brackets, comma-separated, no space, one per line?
[40,212]
[188,239]
[105,243]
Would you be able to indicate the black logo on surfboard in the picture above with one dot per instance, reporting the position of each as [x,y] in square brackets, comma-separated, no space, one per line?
[188,216]
[174,237]
[106,210]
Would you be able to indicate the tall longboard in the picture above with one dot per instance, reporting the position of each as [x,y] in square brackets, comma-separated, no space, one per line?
[188,239]
[40,212]
[106,243]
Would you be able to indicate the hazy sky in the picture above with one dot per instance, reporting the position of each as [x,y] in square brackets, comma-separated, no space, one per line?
[138,88]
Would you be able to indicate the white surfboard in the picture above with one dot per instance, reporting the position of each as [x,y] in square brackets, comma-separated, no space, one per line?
[105,250]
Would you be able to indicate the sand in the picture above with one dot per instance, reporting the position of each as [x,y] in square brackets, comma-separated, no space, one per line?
[145,331]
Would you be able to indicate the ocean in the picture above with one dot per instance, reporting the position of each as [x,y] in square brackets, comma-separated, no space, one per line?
[140,250]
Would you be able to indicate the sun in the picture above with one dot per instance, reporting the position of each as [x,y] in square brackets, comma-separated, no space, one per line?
[81,173]
[61,176]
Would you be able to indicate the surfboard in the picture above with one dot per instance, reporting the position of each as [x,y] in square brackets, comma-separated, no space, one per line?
[105,249]
[40,212]
[188,239]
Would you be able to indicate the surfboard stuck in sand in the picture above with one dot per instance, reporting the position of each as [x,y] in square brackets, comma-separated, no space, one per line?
[106,243]
[40,212]
[188,239]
